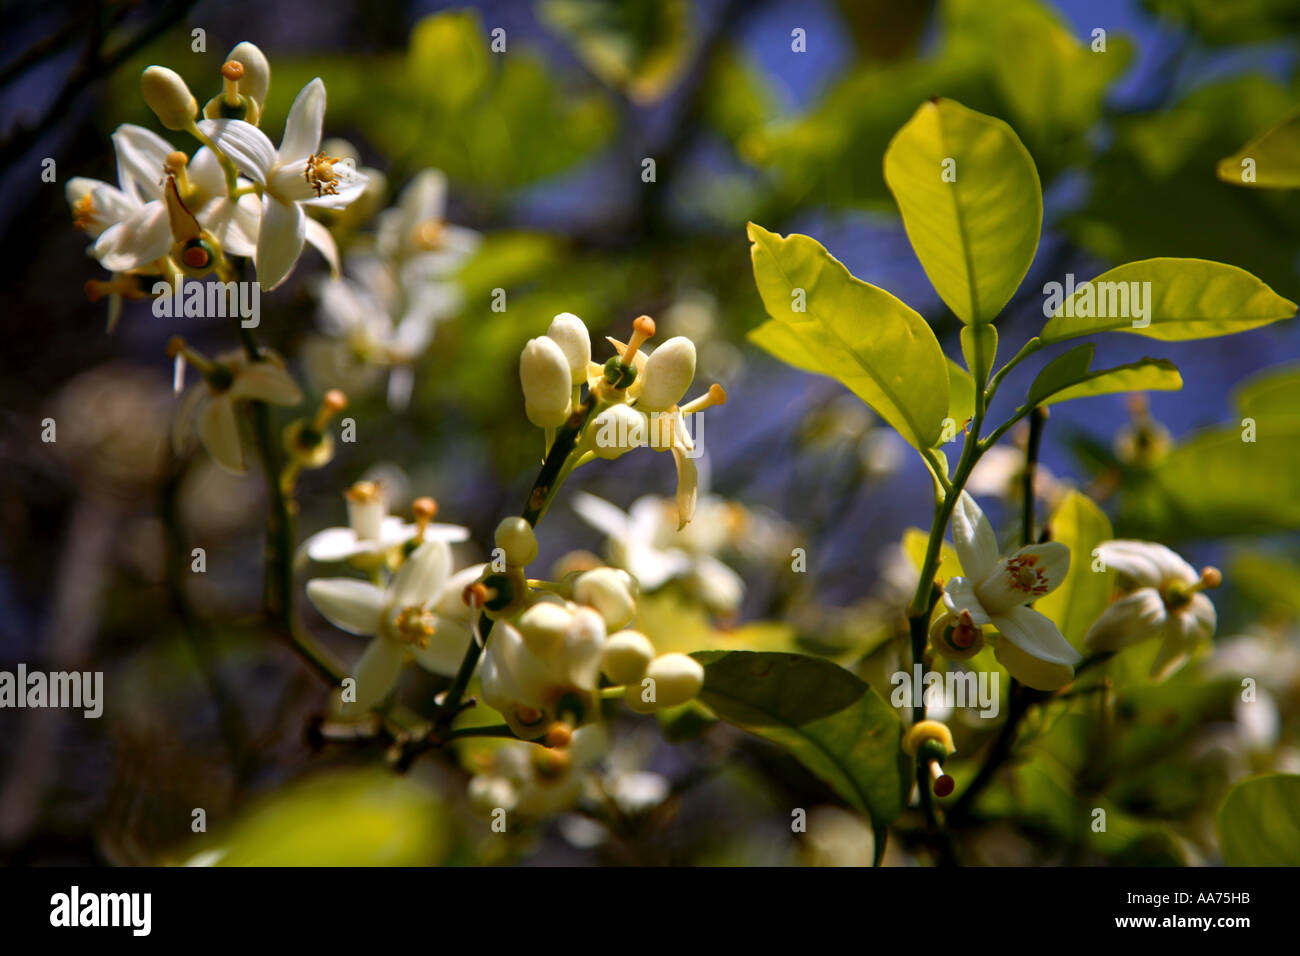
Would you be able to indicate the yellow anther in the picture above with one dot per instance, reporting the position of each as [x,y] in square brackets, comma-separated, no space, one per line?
[320,174]
[414,624]
[642,329]
[333,403]
[364,492]
[84,212]
[716,395]
[428,235]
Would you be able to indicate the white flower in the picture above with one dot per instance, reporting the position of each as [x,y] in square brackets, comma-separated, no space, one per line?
[209,408]
[372,532]
[130,223]
[537,782]
[1162,598]
[995,590]
[415,235]
[294,176]
[420,615]
[546,669]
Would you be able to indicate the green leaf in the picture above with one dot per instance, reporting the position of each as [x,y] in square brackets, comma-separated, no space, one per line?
[1274,394]
[1069,376]
[448,57]
[961,396]
[1259,824]
[354,818]
[858,334]
[1169,299]
[971,203]
[832,722]
[979,347]
[1272,158]
[1080,525]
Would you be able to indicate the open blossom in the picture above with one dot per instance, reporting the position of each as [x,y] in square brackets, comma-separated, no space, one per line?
[537,782]
[209,407]
[415,234]
[372,533]
[1161,597]
[420,615]
[294,176]
[994,591]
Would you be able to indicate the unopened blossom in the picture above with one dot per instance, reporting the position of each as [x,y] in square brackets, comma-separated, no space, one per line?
[420,615]
[545,377]
[292,177]
[543,668]
[209,407]
[372,533]
[994,591]
[1161,597]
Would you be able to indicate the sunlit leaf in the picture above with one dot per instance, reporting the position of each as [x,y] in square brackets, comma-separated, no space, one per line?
[971,203]
[1272,395]
[1080,525]
[1259,824]
[1271,159]
[448,57]
[858,334]
[1179,298]
[836,725]
[1069,376]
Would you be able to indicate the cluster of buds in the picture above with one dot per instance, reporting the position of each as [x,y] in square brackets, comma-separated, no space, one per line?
[930,742]
[634,396]
[536,782]
[551,641]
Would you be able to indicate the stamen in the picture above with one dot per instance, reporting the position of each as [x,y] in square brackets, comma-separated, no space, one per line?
[84,212]
[364,492]
[425,508]
[1026,576]
[320,174]
[415,624]
[333,402]
[940,781]
[1211,577]
[429,234]
[232,71]
[122,284]
[177,346]
[716,395]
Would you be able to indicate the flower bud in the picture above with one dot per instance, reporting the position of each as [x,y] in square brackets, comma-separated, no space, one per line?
[547,383]
[570,333]
[668,374]
[515,537]
[677,678]
[169,97]
[257,72]
[626,656]
[617,430]
[544,626]
[606,590]
[956,636]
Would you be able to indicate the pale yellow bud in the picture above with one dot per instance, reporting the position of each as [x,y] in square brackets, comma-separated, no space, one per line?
[606,590]
[570,334]
[678,678]
[617,430]
[515,537]
[544,626]
[668,374]
[626,656]
[169,97]
[547,383]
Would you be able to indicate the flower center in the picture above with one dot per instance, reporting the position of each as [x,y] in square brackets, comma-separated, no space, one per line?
[1026,576]
[414,624]
[320,174]
[83,212]
[428,235]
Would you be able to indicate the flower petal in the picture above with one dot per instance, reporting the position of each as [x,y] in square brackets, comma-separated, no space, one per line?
[246,145]
[265,382]
[977,545]
[1027,575]
[323,241]
[234,223]
[1130,620]
[349,604]
[959,595]
[421,578]
[451,602]
[604,516]
[1182,632]
[688,487]
[1147,564]
[446,648]
[376,672]
[140,156]
[279,241]
[207,176]
[332,544]
[139,239]
[1032,648]
[303,127]
[219,432]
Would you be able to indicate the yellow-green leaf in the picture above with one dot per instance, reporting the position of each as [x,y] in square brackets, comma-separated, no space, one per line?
[448,57]
[1259,824]
[826,321]
[1069,376]
[1169,299]
[1271,159]
[971,203]
[1080,525]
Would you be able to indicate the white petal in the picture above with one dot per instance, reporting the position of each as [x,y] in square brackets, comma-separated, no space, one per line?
[1146,563]
[245,144]
[1032,648]
[446,648]
[1183,631]
[302,128]
[376,672]
[140,156]
[1130,620]
[349,604]
[421,578]
[977,545]
[279,241]
[234,223]
[1027,575]
[206,175]
[332,544]
[323,240]
[424,199]
[219,431]
[688,487]
[451,602]
[959,595]
[136,241]
[608,518]
[1030,670]
[265,382]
